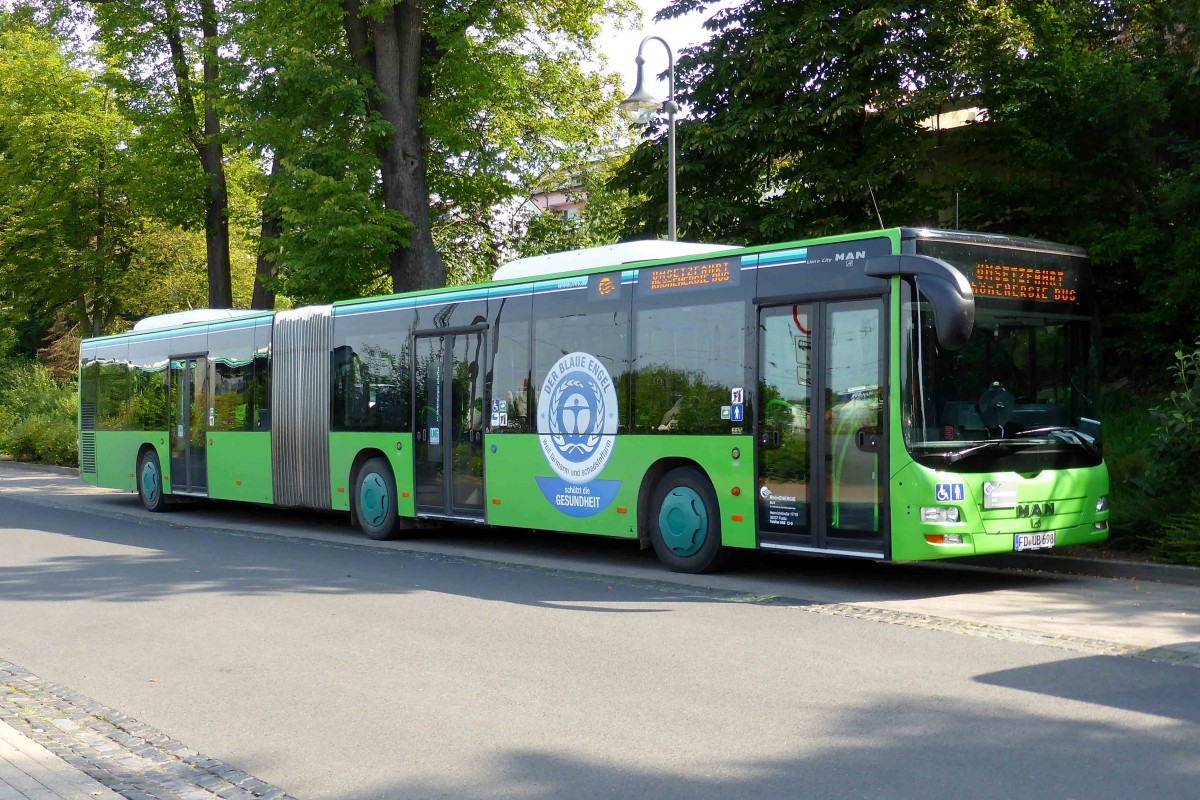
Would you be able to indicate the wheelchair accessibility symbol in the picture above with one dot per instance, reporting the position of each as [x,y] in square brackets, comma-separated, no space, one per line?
[949,492]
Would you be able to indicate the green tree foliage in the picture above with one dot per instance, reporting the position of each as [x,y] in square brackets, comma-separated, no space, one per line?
[474,94]
[801,111]
[65,218]
[169,54]
[358,175]
[89,227]
[1152,309]
[477,241]
[300,103]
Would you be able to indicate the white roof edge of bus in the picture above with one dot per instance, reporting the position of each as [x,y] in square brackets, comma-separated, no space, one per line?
[611,255]
[191,316]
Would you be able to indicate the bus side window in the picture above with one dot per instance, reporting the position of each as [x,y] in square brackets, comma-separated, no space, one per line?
[508,381]
[352,388]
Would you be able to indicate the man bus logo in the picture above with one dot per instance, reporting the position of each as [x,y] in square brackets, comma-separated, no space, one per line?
[577,426]
[1035,510]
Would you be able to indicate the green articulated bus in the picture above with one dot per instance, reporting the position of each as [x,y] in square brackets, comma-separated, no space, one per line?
[898,394]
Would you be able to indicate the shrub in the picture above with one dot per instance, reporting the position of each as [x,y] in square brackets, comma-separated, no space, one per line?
[43,438]
[1166,510]
[1128,428]
[37,414]
[1178,541]
[1174,447]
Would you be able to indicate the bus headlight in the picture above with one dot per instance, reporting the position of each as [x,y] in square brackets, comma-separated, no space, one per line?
[1102,504]
[940,515]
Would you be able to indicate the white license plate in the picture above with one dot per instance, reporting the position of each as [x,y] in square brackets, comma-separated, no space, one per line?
[1033,541]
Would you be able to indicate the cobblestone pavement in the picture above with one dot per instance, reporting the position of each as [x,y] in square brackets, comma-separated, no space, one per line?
[123,755]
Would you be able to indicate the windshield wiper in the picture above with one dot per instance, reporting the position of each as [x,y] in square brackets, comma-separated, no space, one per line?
[954,456]
[1068,435]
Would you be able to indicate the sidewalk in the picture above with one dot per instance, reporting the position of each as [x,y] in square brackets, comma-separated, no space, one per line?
[28,770]
[57,744]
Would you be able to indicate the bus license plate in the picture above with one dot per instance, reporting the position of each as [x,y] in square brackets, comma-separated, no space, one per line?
[1033,541]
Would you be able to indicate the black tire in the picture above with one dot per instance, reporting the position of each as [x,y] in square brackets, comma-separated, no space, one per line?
[149,482]
[685,523]
[375,499]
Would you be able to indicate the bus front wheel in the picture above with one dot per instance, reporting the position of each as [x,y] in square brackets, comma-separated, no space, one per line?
[685,523]
[375,499]
[149,482]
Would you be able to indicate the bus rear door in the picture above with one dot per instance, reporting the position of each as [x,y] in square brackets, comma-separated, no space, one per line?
[190,410]
[448,430]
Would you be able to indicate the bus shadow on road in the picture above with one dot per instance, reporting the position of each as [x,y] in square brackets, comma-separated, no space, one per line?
[588,561]
[143,559]
[1147,683]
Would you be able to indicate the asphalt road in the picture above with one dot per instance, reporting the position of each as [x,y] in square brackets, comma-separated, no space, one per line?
[469,666]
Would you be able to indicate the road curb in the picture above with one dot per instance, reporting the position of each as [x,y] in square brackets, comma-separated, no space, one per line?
[1095,567]
[24,465]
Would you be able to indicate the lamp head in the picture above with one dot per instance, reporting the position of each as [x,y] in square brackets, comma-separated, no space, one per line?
[641,106]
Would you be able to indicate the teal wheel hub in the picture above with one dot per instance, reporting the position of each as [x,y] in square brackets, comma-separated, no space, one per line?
[373,499]
[683,521]
[150,482]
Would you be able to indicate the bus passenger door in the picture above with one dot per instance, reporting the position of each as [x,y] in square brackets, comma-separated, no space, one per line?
[429,425]
[448,430]
[785,424]
[189,416]
[852,391]
[466,355]
[820,427]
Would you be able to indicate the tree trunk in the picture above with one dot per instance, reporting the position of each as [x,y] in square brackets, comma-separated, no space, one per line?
[390,50]
[207,143]
[212,158]
[268,244]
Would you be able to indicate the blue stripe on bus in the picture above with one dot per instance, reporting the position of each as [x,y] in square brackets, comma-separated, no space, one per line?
[137,337]
[783,257]
[422,301]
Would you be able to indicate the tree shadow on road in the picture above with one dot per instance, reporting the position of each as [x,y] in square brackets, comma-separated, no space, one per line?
[1161,689]
[893,749]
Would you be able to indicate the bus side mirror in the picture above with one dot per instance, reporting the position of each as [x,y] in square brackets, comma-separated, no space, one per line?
[948,290]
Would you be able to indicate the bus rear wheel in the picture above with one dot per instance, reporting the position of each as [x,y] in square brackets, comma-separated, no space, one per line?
[685,523]
[149,482]
[375,499]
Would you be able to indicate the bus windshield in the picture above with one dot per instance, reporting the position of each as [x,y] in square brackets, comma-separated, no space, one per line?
[1022,395]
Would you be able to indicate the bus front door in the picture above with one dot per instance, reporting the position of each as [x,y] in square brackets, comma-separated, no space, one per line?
[448,430]
[190,410]
[820,427]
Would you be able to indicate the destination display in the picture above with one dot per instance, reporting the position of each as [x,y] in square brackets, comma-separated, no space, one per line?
[1023,283]
[713,272]
[1014,273]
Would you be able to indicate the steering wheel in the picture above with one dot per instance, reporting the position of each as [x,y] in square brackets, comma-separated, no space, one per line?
[996,406]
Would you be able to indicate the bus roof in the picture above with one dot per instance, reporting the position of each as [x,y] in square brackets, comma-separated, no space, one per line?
[611,255]
[190,316]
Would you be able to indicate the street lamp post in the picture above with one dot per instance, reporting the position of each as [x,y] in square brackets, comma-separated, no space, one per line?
[641,106]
